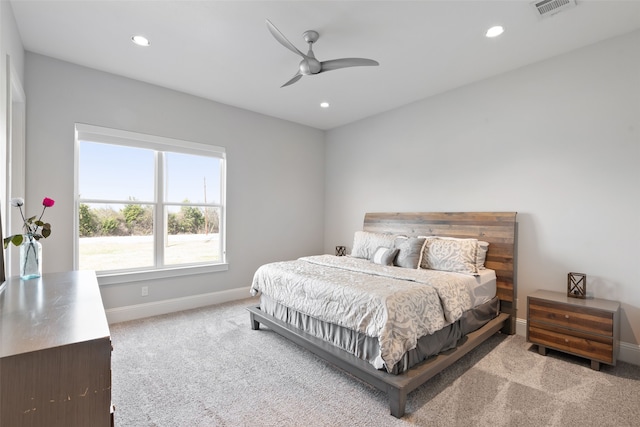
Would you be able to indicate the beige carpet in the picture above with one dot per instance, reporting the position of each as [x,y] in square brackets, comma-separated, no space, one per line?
[206,367]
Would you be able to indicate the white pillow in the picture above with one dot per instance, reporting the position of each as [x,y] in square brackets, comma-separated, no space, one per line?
[481,256]
[365,243]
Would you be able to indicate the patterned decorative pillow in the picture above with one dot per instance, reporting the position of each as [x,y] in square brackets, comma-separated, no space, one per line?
[481,249]
[384,256]
[409,250]
[365,243]
[457,255]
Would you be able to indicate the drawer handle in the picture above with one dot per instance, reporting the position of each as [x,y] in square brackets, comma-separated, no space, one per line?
[566,316]
[566,340]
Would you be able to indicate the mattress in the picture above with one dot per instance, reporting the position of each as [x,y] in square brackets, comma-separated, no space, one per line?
[484,288]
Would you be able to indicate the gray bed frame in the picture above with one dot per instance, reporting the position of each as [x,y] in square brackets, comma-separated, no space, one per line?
[497,228]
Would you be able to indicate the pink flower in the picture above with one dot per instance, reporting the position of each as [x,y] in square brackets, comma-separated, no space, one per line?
[47,202]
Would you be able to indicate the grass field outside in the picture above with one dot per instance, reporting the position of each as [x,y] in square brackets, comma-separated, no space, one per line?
[127,252]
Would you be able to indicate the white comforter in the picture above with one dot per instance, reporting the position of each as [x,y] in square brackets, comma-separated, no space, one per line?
[396,305]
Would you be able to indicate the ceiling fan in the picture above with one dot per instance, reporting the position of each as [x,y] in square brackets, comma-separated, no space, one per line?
[309,64]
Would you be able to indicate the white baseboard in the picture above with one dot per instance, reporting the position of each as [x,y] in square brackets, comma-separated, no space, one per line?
[140,311]
[629,353]
[521,327]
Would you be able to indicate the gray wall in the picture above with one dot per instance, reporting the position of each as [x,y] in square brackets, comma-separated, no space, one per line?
[275,169]
[558,142]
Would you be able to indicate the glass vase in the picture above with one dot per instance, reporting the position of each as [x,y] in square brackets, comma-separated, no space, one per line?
[30,258]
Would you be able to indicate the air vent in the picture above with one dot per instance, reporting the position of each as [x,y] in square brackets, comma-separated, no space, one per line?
[551,7]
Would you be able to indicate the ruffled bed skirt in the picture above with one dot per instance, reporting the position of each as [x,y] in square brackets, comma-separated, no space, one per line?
[367,348]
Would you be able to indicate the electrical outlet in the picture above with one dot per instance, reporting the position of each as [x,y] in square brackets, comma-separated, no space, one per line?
[144,291]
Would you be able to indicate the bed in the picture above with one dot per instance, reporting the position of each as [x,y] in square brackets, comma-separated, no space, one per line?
[390,316]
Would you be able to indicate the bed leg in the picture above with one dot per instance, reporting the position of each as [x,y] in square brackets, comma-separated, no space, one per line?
[397,402]
[255,325]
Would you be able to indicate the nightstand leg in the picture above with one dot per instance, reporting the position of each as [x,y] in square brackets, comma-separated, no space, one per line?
[542,350]
[595,365]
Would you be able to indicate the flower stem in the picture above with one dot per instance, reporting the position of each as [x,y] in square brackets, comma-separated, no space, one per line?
[24,221]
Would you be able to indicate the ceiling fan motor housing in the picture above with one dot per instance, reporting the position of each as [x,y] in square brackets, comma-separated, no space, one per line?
[310,66]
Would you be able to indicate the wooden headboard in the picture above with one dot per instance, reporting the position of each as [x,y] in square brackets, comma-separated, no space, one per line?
[497,228]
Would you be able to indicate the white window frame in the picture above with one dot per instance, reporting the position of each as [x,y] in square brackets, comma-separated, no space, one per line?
[86,132]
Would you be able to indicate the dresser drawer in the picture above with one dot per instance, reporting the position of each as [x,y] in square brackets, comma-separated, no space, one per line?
[577,318]
[595,347]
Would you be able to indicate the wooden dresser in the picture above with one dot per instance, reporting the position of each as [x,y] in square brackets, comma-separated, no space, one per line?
[583,327]
[55,352]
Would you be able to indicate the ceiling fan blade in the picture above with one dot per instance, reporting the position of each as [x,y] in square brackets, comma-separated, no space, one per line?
[283,40]
[293,80]
[334,64]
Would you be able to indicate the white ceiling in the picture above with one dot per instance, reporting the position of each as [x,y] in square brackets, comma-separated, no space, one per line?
[222,50]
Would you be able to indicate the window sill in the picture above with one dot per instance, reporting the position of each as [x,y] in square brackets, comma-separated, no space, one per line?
[137,276]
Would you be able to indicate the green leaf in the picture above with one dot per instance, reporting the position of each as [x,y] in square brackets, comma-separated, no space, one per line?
[16,239]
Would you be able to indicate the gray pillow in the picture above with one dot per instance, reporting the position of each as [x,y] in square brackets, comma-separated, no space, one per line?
[384,256]
[409,249]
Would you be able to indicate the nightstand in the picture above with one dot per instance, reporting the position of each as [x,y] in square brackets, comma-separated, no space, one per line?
[582,327]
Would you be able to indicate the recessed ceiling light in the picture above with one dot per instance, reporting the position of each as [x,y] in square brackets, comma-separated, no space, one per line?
[324,104]
[140,40]
[495,31]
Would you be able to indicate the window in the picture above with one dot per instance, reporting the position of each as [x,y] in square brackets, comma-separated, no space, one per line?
[147,203]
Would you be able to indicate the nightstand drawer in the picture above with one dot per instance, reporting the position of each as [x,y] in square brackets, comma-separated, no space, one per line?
[583,319]
[595,347]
